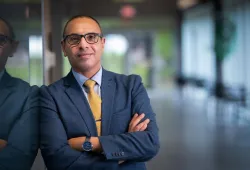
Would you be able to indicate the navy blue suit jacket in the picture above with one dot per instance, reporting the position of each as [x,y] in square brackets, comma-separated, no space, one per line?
[18,123]
[65,114]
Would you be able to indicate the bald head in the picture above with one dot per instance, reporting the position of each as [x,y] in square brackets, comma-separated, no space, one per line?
[6,28]
[88,18]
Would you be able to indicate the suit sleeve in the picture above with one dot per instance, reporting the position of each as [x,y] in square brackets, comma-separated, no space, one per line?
[136,146]
[23,141]
[56,152]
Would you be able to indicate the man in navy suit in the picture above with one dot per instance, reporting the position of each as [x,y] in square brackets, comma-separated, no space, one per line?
[123,136]
[18,111]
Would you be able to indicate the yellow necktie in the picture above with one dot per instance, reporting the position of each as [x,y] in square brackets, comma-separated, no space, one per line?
[95,104]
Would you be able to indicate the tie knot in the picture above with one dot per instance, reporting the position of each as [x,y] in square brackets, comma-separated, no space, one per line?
[90,83]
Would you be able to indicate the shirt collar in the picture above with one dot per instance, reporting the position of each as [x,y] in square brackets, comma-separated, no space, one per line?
[81,78]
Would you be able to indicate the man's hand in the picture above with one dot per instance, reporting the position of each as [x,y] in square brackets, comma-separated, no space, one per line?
[3,143]
[76,143]
[134,126]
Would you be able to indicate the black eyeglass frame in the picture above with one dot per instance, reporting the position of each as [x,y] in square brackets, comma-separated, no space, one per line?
[7,38]
[65,37]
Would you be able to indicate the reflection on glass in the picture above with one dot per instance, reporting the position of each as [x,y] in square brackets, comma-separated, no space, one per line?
[18,104]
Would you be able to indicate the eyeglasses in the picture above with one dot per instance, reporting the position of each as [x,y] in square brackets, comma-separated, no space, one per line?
[75,39]
[4,39]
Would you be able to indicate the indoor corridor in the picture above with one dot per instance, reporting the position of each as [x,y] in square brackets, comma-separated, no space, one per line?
[192,56]
[195,139]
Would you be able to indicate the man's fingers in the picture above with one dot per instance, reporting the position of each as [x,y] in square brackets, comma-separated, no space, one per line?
[138,127]
[133,119]
[137,120]
[142,126]
[134,124]
[146,121]
[3,143]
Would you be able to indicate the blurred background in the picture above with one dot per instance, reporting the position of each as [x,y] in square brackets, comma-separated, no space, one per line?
[192,55]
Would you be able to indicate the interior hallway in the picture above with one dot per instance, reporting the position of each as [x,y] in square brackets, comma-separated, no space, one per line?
[193,139]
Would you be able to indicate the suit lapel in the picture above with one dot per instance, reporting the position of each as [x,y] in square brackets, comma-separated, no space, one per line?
[107,93]
[6,87]
[74,92]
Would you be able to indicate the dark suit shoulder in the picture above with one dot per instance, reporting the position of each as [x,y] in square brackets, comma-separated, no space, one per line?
[56,85]
[24,86]
[132,79]
[20,83]
[54,89]
[125,78]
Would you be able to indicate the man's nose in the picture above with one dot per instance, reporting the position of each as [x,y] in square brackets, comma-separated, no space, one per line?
[83,43]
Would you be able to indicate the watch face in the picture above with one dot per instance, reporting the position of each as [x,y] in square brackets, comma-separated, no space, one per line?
[87,146]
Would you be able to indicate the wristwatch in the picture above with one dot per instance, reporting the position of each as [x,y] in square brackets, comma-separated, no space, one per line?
[87,145]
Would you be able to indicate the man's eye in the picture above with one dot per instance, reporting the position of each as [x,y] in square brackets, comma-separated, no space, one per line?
[74,38]
[91,37]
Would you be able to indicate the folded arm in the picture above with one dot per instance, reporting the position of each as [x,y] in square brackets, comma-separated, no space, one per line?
[22,146]
[55,148]
[141,143]
[134,126]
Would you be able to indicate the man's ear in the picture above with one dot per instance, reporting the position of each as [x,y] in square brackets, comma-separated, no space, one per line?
[103,41]
[14,46]
[63,48]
